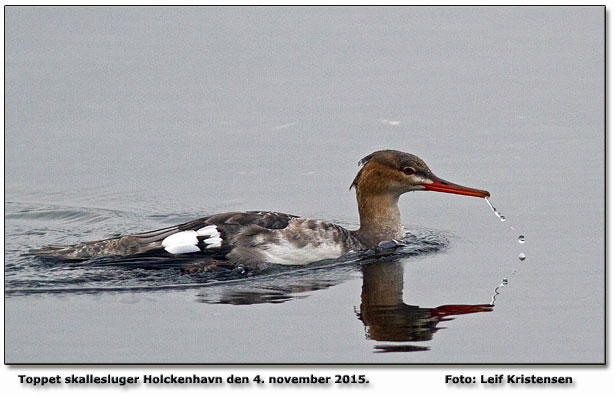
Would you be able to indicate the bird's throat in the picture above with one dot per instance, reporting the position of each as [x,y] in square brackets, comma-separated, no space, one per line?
[380,217]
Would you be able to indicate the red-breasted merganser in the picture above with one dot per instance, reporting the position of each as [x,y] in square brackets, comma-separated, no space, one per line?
[255,237]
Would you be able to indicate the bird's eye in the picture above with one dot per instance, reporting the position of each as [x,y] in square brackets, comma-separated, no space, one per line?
[408,171]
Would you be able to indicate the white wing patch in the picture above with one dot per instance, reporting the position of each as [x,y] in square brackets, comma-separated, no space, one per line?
[187,241]
[209,230]
[182,249]
[213,242]
[181,241]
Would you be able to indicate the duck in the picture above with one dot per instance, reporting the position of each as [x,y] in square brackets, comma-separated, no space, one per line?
[253,238]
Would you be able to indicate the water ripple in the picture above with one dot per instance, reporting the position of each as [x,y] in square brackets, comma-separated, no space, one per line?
[29,225]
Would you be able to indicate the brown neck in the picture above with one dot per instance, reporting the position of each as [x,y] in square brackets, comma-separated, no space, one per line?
[380,217]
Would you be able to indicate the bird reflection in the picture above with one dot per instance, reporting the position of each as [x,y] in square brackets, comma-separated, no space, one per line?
[382,311]
[279,287]
[387,318]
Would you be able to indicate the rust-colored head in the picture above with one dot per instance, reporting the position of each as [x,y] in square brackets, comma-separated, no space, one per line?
[396,172]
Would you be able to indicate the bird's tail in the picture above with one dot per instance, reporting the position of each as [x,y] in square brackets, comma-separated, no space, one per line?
[128,245]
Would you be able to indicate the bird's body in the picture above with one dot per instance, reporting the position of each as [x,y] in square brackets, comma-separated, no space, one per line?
[255,237]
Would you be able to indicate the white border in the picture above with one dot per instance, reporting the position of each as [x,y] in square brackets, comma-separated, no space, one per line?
[387,379]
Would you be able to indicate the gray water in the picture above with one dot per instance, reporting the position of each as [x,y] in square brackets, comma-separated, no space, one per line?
[124,120]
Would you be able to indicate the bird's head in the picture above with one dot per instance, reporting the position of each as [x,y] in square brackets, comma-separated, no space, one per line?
[396,172]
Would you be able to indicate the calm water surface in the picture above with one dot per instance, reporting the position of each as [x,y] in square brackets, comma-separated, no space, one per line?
[123,120]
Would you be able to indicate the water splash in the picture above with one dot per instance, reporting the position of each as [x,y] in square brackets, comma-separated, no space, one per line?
[521,256]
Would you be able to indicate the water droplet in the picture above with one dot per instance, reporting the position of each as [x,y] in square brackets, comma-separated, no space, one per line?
[495,211]
[521,239]
[522,257]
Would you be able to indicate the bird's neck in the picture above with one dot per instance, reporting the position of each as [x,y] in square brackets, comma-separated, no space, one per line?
[380,217]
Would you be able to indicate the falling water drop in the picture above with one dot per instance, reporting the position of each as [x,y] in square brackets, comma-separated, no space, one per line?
[522,257]
[495,211]
[521,239]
